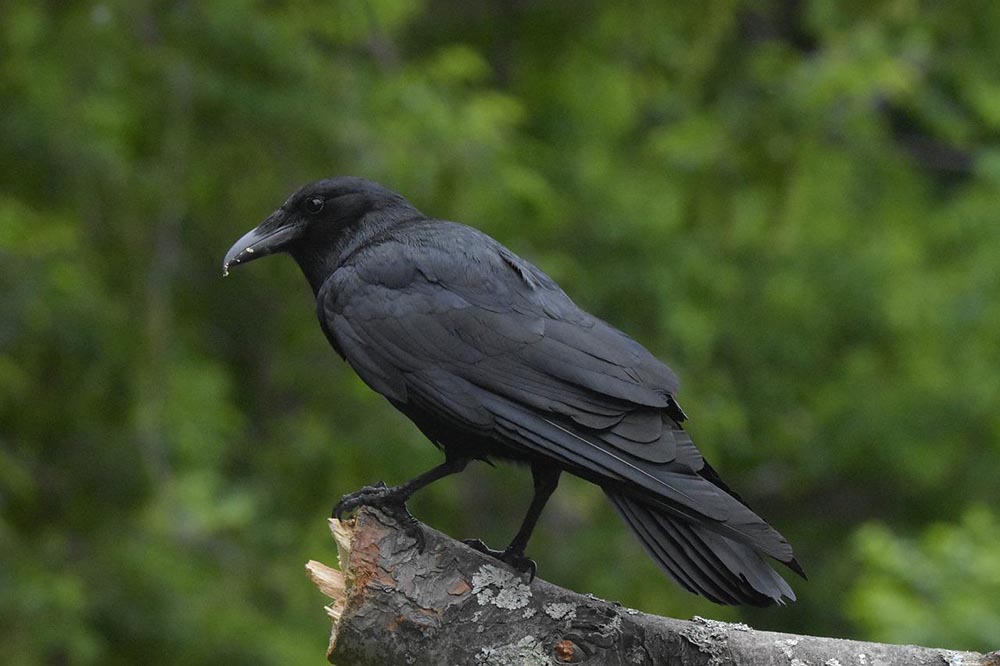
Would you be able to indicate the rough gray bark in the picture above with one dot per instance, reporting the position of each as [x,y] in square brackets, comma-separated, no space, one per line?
[451,605]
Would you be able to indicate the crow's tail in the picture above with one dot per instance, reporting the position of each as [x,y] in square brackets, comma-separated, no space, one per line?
[702,561]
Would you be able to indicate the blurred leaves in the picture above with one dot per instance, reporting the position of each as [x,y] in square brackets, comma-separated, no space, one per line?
[937,589]
[793,203]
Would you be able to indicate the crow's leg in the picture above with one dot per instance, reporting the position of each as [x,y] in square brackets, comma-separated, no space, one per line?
[392,499]
[546,478]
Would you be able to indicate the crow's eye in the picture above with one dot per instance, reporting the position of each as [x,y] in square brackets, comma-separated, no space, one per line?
[314,205]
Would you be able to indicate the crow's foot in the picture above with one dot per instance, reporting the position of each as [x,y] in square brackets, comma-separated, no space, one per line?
[390,500]
[516,560]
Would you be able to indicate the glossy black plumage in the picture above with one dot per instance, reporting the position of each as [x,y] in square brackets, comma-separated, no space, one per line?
[488,356]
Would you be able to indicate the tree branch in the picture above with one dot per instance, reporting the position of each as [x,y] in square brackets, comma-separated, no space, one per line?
[452,605]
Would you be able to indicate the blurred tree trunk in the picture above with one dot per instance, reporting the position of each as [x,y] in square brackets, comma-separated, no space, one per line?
[453,605]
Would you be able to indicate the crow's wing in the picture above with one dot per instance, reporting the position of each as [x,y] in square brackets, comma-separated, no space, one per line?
[444,318]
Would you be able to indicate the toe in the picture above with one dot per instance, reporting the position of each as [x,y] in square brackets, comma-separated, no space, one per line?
[522,564]
[477,544]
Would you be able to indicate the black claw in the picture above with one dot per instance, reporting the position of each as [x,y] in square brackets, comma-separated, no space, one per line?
[521,564]
[409,524]
[378,495]
[477,544]
[388,499]
[532,570]
[517,561]
[338,510]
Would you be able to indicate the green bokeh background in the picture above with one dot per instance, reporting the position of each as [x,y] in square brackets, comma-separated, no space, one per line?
[794,203]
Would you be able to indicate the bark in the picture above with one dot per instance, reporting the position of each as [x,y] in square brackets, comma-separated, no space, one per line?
[451,605]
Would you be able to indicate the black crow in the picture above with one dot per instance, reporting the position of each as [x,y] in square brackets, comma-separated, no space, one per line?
[491,360]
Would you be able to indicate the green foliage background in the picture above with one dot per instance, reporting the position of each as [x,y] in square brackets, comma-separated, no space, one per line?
[794,203]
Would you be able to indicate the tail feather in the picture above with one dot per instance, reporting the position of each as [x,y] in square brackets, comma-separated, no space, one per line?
[695,578]
[701,560]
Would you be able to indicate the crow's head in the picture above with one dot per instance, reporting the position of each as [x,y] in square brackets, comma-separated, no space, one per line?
[316,219]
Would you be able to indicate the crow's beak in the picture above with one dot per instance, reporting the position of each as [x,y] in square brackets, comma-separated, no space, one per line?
[269,237]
